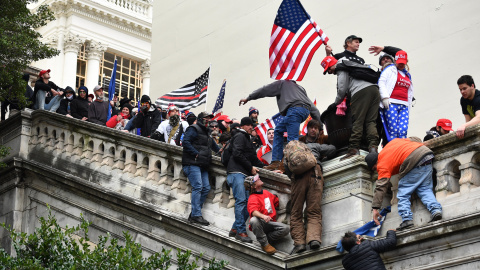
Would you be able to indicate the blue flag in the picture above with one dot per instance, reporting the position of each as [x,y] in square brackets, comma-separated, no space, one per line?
[221,97]
[369,229]
[111,88]
[138,129]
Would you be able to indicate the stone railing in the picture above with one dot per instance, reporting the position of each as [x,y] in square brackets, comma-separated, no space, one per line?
[140,7]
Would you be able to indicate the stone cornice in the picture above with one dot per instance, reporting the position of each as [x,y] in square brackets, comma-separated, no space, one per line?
[145,68]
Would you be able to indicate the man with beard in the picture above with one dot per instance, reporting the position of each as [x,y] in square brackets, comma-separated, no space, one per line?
[98,110]
[171,130]
[79,105]
[148,118]
[253,114]
[44,86]
[196,158]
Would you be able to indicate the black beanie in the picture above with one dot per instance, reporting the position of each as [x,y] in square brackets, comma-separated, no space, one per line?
[371,160]
[145,98]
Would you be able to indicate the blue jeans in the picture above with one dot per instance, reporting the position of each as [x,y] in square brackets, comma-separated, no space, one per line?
[51,106]
[291,124]
[235,181]
[198,178]
[418,180]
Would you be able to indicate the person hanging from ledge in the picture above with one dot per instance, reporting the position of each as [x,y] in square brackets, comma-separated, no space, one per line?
[470,102]
[443,127]
[413,162]
[263,216]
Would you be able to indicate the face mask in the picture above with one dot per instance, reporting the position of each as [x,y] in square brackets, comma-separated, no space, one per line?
[70,97]
[100,98]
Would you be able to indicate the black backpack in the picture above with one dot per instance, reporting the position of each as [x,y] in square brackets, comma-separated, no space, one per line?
[360,73]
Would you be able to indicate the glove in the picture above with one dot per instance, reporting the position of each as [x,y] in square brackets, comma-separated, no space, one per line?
[386,103]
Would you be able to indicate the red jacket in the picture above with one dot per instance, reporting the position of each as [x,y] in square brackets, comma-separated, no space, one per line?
[264,203]
[112,122]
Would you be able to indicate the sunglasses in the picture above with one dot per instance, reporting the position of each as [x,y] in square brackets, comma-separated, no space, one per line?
[82,91]
[214,126]
[144,103]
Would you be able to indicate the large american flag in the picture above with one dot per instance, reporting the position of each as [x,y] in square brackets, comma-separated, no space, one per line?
[188,96]
[295,38]
[221,96]
[263,128]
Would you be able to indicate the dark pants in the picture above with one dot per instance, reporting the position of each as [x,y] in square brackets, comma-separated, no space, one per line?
[307,188]
[364,106]
[268,232]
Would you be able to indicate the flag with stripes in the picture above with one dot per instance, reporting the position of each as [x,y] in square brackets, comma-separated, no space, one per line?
[263,128]
[188,96]
[221,96]
[295,38]
[304,129]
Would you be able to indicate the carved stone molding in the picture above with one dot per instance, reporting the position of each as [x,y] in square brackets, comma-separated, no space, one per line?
[145,68]
[95,50]
[72,42]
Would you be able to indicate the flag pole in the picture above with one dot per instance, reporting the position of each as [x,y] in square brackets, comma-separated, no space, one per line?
[310,20]
[208,85]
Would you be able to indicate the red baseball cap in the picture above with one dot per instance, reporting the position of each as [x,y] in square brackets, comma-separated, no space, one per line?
[224,118]
[445,124]
[401,57]
[43,72]
[328,62]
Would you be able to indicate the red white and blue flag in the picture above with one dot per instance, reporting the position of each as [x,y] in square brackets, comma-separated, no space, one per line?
[188,96]
[217,109]
[263,128]
[294,40]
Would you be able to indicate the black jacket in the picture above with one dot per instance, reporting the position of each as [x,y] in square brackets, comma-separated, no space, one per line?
[349,56]
[79,107]
[42,86]
[244,154]
[64,104]
[198,146]
[148,122]
[365,256]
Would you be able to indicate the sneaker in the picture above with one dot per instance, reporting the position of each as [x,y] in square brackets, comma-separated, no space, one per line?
[269,249]
[436,216]
[404,225]
[351,152]
[199,220]
[314,244]
[298,249]
[275,165]
[243,237]
[232,233]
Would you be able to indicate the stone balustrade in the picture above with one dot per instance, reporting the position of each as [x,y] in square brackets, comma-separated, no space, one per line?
[148,174]
[140,7]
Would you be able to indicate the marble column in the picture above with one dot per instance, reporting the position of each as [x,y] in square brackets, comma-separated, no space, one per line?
[95,52]
[145,69]
[72,45]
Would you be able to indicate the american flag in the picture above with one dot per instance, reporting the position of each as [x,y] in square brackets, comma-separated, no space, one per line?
[295,38]
[263,128]
[304,129]
[188,96]
[221,96]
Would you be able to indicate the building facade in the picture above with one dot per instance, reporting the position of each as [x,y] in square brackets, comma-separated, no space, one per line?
[90,35]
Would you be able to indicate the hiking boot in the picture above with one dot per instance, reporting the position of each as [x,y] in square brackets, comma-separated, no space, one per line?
[243,237]
[404,225]
[436,216]
[199,220]
[275,165]
[351,152]
[298,249]
[232,233]
[373,149]
[314,244]
[269,249]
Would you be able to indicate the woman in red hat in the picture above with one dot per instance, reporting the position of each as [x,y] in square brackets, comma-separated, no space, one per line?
[396,93]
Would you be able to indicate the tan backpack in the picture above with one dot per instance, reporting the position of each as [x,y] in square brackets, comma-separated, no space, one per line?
[298,157]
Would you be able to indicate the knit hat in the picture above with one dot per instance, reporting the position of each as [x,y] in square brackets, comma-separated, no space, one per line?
[191,118]
[328,62]
[124,101]
[91,96]
[83,88]
[145,98]
[371,160]
[128,106]
[246,121]
[382,55]
[252,110]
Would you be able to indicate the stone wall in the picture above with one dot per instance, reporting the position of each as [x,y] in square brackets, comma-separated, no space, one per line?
[124,182]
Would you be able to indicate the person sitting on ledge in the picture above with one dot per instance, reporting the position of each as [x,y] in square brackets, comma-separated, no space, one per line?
[263,216]
[364,254]
[413,162]
[444,126]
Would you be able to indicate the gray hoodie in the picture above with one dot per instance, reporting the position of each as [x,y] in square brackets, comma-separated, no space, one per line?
[347,85]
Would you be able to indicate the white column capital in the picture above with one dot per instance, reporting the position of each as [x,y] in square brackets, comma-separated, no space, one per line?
[145,68]
[95,50]
[72,43]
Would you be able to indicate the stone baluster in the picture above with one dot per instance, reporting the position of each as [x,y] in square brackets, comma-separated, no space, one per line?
[219,191]
[119,160]
[88,150]
[35,138]
[470,176]
[50,143]
[154,167]
[166,172]
[179,179]
[59,145]
[109,155]
[78,148]
[142,166]
[43,135]
[69,144]
[130,162]
[98,152]
[231,202]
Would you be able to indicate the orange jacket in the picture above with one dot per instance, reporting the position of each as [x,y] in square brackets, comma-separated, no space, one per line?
[392,156]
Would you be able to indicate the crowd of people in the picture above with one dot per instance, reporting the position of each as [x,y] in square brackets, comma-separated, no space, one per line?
[390,90]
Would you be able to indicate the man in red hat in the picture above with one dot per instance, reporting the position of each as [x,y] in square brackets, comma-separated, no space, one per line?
[444,126]
[224,123]
[44,88]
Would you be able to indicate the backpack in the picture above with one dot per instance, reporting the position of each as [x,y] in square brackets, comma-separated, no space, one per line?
[360,73]
[298,157]
[227,153]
